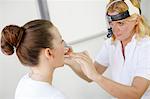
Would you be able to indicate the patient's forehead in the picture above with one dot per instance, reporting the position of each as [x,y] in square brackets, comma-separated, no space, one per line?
[55,33]
[57,38]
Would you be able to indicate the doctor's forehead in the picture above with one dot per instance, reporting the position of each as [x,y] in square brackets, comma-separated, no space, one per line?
[113,13]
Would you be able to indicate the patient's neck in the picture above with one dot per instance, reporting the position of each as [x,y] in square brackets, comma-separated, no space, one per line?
[42,73]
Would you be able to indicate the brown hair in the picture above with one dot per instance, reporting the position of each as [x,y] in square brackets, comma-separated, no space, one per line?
[28,40]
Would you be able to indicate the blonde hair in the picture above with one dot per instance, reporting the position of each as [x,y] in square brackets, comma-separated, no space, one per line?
[142,28]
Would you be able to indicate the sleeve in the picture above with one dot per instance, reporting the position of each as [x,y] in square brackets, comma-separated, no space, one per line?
[143,64]
[103,55]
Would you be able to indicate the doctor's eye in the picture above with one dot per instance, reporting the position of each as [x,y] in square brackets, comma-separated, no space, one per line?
[121,23]
[110,23]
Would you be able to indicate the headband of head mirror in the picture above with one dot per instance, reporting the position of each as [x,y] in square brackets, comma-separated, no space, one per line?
[132,9]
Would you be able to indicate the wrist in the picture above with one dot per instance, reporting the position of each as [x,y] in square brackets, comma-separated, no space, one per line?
[97,77]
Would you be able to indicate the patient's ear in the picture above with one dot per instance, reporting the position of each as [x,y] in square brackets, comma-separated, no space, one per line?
[48,53]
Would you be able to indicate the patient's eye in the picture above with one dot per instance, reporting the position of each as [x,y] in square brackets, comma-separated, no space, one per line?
[62,41]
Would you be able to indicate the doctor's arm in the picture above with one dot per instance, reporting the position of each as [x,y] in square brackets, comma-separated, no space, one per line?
[135,91]
[121,91]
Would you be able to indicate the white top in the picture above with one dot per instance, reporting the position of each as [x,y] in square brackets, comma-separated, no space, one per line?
[136,63]
[32,89]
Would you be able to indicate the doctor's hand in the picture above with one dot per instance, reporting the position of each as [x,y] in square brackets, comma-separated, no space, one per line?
[87,65]
[72,60]
[69,57]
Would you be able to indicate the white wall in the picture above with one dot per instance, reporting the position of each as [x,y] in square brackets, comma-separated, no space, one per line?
[145,6]
[78,19]
[17,11]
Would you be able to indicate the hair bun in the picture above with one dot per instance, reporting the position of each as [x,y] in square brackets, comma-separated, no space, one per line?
[10,37]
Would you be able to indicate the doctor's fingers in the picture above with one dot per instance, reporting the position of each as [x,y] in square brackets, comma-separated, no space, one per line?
[80,56]
[70,62]
[84,59]
[83,54]
[71,55]
[76,55]
[68,51]
[86,53]
[69,59]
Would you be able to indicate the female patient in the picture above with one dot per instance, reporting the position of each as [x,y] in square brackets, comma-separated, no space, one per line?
[38,45]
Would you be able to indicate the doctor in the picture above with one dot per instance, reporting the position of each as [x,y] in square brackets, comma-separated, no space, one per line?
[126,52]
